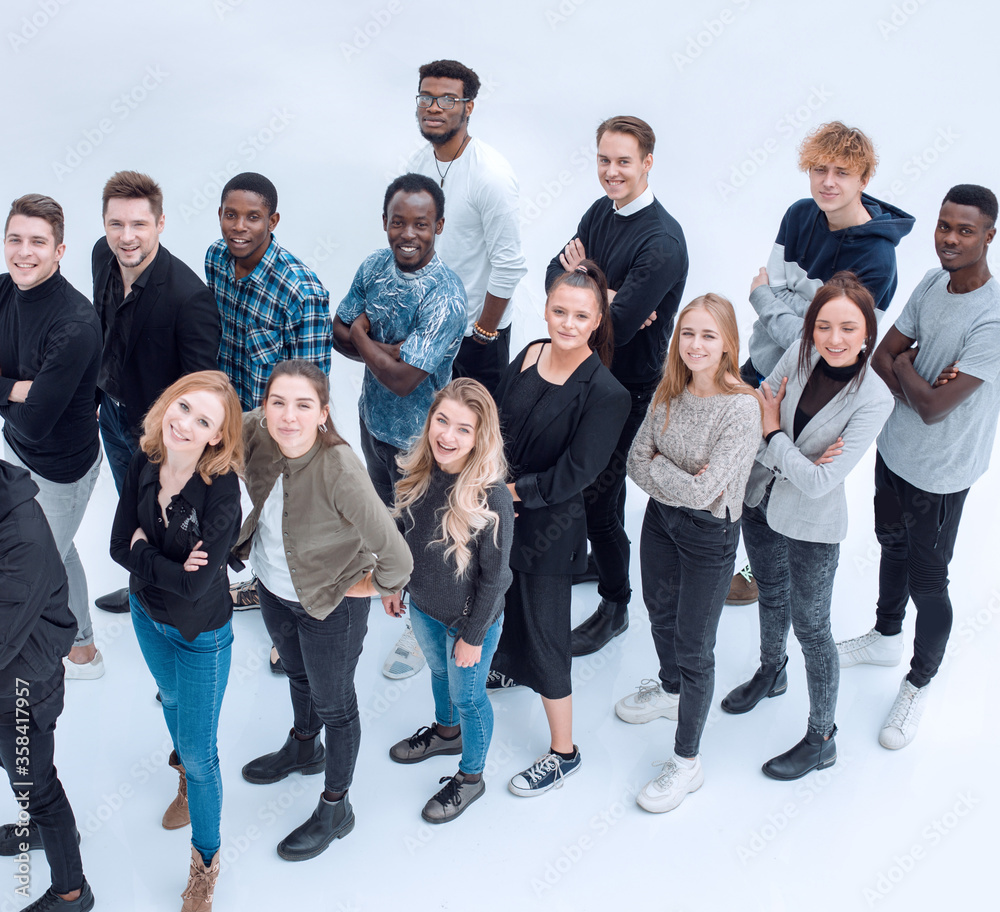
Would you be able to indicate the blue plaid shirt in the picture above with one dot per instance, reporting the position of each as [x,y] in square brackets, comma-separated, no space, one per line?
[280,311]
[426,311]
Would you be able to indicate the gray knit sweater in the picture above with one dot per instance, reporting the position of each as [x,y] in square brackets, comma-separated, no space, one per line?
[722,431]
[472,602]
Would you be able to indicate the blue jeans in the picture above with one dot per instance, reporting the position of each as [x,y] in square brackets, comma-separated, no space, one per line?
[119,443]
[319,658]
[192,679]
[687,565]
[795,579]
[64,506]
[459,693]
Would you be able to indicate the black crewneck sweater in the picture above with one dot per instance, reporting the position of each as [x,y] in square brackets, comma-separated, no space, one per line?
[50,335]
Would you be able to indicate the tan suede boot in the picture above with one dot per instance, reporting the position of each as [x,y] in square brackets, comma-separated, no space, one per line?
[201,884]
[177,815]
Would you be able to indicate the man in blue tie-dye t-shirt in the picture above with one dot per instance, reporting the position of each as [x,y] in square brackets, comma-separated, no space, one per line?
[404,317]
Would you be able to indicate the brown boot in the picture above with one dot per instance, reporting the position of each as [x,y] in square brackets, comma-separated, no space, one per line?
[201,883]
[177,815]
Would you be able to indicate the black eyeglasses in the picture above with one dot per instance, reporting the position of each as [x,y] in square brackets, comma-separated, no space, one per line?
[445,102]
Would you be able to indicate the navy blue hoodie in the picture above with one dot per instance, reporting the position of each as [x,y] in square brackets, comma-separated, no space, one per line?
[806,254]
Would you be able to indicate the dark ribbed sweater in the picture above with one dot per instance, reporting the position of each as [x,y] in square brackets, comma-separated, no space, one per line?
[50,335]
[644,257]
[472,602]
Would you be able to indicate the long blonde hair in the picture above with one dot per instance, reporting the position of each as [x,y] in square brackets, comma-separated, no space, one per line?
[467,512]
[677,375]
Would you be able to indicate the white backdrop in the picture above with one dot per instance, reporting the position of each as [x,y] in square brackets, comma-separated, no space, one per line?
[319,97]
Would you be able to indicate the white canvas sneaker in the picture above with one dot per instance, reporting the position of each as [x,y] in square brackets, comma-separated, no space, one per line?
[871,649]
[405,659]
[649,702]
[901,724]
[675,782]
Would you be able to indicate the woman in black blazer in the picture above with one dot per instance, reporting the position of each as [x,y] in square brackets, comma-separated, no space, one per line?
[562,412]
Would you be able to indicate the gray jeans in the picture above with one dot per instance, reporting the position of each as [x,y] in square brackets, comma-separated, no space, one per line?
[64,506]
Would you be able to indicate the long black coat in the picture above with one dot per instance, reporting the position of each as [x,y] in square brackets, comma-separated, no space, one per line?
[175,329]
[559,452]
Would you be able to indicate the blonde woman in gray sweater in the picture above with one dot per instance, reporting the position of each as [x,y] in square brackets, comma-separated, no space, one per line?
[692,455]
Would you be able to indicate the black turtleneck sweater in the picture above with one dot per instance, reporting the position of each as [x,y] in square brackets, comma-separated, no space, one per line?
[50,335]
[823,384]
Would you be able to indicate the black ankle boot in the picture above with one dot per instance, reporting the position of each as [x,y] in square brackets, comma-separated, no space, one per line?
[331,820]
[306,757]
[610,620]
[768,681]
[811,753]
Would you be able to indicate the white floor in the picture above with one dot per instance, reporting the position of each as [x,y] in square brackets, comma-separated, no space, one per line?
[318,96]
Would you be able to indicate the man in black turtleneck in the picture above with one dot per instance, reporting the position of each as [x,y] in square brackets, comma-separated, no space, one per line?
[50,351]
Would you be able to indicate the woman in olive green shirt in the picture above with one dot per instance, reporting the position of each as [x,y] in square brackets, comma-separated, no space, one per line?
[312,538]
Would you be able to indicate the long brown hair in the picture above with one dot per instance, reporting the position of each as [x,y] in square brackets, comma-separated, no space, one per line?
[225,456]
[677,375]
[842,284]
[468,511]
[589,275]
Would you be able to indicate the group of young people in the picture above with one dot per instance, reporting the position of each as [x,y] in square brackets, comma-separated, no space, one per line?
[483,476]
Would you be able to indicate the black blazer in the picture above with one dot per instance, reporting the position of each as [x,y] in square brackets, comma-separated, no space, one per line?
[175,329]
[559,452]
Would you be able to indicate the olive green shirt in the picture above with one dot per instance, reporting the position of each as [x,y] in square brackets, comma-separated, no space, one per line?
[334,526]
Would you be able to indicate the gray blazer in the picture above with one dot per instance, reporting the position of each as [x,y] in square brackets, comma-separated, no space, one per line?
[807,501]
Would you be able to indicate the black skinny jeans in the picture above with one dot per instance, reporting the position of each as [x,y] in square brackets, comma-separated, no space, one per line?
[319,658]
[917,532]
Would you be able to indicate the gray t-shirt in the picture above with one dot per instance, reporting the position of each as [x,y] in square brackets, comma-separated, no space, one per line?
[948,456]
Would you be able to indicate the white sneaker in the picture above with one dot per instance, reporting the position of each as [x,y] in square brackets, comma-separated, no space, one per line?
[901,724]
[650,702]
[406,659]
[88,671]
[871,649]
[675,782]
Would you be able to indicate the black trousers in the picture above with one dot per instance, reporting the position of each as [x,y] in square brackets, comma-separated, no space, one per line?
[26,752]
[485,363]
[917,531]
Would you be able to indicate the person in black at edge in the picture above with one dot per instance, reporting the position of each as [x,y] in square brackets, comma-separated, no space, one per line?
[36,631]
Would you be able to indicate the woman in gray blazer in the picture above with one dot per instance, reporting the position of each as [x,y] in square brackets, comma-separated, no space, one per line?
[822,410]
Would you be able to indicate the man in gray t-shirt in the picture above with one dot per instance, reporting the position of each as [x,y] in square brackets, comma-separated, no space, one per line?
[941,360]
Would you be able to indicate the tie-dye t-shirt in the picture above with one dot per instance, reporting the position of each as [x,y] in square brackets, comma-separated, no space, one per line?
[425,308]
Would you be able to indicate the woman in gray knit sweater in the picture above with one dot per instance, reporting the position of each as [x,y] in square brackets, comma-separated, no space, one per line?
[457,517]
[692,455]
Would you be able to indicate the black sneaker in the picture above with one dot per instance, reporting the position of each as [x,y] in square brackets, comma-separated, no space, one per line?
[425,743]
[453,799]
[50,902]
[14,835]
[496,682]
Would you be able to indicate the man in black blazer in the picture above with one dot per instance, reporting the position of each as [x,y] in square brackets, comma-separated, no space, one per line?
[159,321]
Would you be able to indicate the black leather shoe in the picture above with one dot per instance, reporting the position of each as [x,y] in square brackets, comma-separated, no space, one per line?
[15,835]
[767,681]
[610,620]
[331,820]
[589,575]
[116,602]
[306,757]
[811,753]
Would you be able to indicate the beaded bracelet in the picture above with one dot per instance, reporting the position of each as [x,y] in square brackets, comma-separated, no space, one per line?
[484,335]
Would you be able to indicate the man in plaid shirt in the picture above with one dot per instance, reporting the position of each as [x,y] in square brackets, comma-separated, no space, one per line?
[271,305]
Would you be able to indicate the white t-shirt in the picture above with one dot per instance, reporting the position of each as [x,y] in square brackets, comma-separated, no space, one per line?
[948,456]
[267,552]
[481,240]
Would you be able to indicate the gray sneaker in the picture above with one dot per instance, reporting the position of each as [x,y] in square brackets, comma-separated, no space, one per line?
[426,742]
[453,799]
